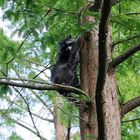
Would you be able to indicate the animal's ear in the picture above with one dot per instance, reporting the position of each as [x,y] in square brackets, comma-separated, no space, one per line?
[65,40]
[68,38]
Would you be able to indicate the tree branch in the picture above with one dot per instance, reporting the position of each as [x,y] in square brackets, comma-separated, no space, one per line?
[38,116]
[30,114]
[31,81]
[103,34]
[72,115]
[130,105]
[45,86]
[118,60]
[133,120]
[42,118]
[24,126]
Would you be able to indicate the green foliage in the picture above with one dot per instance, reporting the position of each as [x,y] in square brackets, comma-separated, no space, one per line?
[125,21]
[68,114]
[7,48]
[3,90]
[1,2]
[14,136]
[44,23]
[59,18]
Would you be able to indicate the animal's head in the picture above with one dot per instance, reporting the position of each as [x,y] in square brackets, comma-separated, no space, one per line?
[67,43]
[65,49]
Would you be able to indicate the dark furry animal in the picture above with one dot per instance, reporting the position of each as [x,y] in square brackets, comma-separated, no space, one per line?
[64,71]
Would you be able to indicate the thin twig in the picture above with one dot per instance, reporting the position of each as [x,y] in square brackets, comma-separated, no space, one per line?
[38,116]
[69,114]
[22,125]
[124,40]
[30,114]
[22,89]
[133,120]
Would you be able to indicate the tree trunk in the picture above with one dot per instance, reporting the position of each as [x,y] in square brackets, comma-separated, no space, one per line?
[111,109]
[111,105]
[60,130]
[89,72]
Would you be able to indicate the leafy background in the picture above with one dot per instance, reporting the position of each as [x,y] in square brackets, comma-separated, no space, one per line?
[42,24]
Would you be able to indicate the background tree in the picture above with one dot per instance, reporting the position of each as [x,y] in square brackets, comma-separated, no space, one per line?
[109,30]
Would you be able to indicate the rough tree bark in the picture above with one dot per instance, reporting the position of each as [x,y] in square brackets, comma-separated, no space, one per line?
[103,116]
[60,129]
[89,71]
[108,110]
[89,67]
